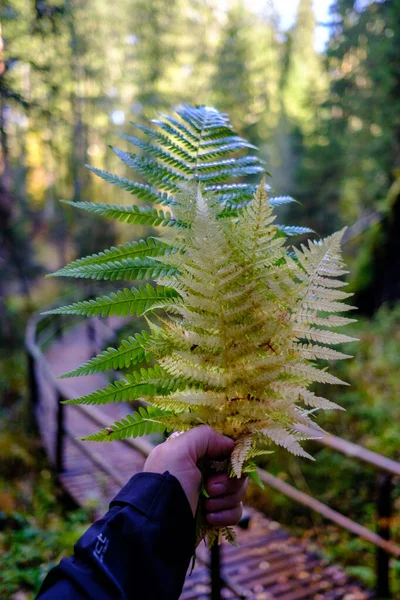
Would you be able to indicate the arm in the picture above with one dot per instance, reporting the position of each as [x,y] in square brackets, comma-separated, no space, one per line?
[143,545]
[132,551]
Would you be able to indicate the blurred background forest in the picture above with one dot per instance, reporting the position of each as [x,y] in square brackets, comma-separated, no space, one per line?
[73,73]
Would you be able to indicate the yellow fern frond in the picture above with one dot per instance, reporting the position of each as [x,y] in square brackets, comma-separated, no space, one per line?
[239,453]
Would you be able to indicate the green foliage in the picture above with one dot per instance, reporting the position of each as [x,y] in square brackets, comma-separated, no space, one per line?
[36,530]
[122,303]
[304,80]
[136,385]
[142,422]
[130,214]
[30,548]
[371,400]
[238,350]
[130,352]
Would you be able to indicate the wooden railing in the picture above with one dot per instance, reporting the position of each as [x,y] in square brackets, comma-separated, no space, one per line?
[389,470]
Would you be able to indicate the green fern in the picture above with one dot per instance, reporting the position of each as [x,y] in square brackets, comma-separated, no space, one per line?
[130,352]
[122,303]
[142,422]
[247,316]
[143,383]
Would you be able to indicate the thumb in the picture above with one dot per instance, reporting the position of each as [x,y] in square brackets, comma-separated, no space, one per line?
[204,441]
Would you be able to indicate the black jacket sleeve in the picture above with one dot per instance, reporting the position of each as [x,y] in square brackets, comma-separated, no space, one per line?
[140,549]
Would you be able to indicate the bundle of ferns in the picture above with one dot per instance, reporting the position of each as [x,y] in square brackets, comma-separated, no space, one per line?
[237,319]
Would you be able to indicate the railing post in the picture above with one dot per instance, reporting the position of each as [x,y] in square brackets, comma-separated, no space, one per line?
[60,435]
[384,514]
[32,381]
[215,567]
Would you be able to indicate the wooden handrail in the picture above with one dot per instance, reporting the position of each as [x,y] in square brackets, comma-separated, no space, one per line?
[328,513]
[353,450]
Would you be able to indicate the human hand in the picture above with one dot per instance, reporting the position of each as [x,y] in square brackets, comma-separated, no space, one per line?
[180,455]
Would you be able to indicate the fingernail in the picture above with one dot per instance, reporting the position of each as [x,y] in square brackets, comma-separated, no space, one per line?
[217,489]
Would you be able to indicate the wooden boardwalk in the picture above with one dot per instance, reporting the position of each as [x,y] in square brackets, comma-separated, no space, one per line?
[269,564]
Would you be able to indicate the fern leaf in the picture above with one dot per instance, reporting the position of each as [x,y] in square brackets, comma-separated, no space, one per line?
[179,128]
[281,200]
[321,335]
[140,190]
[220,175]
[178,132]
[244,317]
[166,142]
[239,453]
[165,156]
[230,535]
[142,249]
[145,383]
[311,399]
[221,148]
[290,230]
[126,268]
[328,306]
[312,374]
[143,422]
[159,174]
[234,140]
[130,352]
[312,352]
[286,439]
[122,303]
[243,162]
[141,215]
[251,471]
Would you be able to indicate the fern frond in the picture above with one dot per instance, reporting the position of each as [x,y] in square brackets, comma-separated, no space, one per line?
[165,141]
[140,190]
[179,132]
[185,370]
[311,374]
[122,303]
[145,383]
[142,249]
[160,154]
[236,142]
[239,454]
[140,215]
[255,452]
[286,439]
[244,318]
[291,230]
[156,174]
[230,535]
[313,352]
[322,335]
[130,352]
[143,422]
[194,397]
[127,269]
[302,394]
